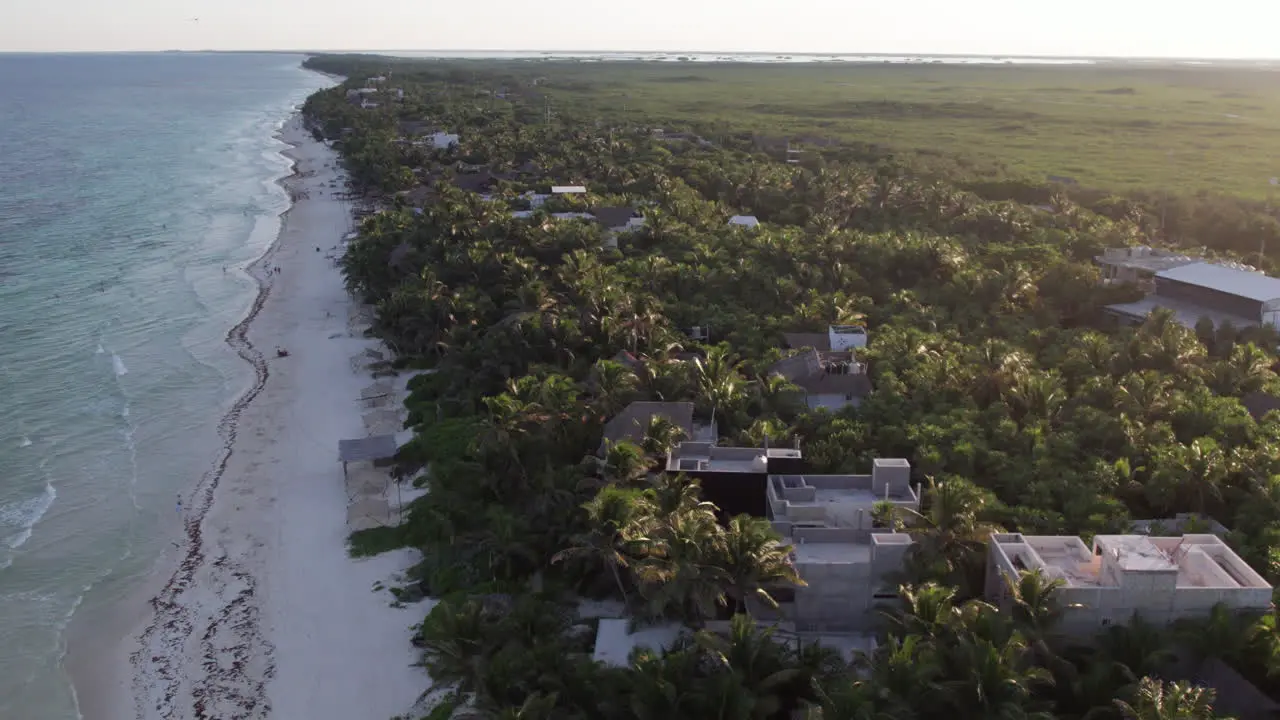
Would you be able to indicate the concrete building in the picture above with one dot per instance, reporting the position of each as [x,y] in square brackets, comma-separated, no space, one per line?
[1192,288]
[1160,578]
[847,563]
[748,221]
[734,478]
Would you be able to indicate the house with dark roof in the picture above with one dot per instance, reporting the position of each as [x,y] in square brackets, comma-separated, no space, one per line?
[831,380]
[481,182]
[418,198]
[630,424]
[616,220]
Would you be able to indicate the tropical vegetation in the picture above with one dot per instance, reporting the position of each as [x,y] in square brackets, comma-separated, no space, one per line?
[994,369]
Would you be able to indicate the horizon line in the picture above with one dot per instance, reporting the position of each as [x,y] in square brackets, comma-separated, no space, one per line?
[388,51]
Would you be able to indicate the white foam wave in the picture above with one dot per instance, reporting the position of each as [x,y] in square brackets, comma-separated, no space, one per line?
[26,442]
[100,350]
[118,365]
[24,514]
[125,412]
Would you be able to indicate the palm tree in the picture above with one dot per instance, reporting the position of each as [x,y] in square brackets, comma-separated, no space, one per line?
[720,384]
[453,639]
[755,662]
[611,515]
[951,534]
[615,384]
[926,610]
[753,559]
[678,574]
[661,436]
[1156,700]
[989,681]
[623,462]
[535,707]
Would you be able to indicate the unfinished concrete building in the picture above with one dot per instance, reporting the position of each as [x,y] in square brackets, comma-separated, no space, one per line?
[1160,578]
[847,563]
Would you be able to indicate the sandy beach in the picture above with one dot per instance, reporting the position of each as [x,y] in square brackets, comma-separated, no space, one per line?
[262,613]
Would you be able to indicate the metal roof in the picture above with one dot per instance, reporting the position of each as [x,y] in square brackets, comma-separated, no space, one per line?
[1232,281]
[378,447]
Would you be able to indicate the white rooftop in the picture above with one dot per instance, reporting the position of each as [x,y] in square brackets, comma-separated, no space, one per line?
[567,189]
[1232,281]
[1197,561]
[744,220]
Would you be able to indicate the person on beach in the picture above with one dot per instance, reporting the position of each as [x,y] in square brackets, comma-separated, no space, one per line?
[179,504]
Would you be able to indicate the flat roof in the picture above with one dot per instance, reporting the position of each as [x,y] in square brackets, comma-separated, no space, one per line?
[1148,263]
[1185,313]
[377,447]
[1198,561]
[1232,281]
[567,189]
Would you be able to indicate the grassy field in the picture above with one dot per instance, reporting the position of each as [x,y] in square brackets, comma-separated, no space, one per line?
[1114,127]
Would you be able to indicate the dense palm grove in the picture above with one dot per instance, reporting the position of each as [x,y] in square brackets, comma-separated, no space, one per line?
[994,373]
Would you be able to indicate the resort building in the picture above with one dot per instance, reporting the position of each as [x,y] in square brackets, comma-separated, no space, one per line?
[1160,578]
[631,424]
[1192,288]
[831,380]
[847,562]
[837,338]
[844,559]
[734,478]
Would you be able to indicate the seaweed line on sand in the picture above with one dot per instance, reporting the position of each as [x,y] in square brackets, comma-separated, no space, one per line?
[224,680]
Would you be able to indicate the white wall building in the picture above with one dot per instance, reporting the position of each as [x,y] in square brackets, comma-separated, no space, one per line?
[1160,578]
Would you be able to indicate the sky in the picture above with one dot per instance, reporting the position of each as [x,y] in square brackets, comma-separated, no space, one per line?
[1122,28]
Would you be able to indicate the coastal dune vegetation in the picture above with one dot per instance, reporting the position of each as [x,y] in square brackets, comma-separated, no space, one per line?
[994,373]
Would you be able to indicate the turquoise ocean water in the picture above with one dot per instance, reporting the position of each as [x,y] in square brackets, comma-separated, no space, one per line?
[127,184]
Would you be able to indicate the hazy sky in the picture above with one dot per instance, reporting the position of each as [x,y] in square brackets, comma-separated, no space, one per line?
[1185,28]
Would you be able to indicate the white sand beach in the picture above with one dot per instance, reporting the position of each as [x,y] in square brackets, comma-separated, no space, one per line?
[265,615]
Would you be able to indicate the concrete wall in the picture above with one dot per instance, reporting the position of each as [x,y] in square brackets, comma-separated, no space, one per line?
[837,597]
[893,473]
[841,597]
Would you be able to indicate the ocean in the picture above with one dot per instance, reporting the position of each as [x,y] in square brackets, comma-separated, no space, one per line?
[132,190]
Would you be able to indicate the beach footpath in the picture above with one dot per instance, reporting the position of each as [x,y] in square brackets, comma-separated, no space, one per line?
[265,615]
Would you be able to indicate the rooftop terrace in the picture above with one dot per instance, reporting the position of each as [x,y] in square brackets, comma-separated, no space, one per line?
[841,501]
[1195,561]
[706,457]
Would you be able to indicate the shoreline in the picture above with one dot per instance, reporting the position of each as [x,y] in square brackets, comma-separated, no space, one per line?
[132,610]
[207,643]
